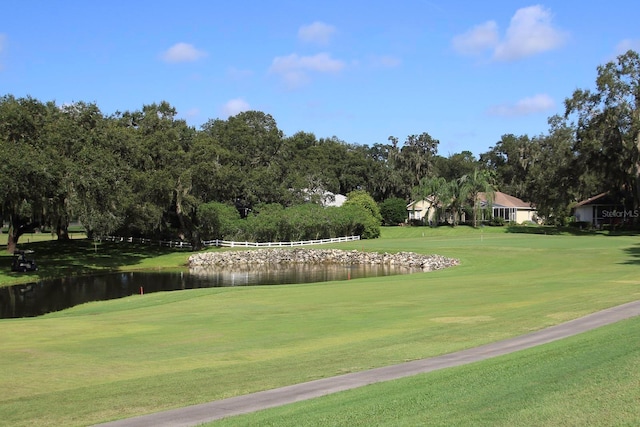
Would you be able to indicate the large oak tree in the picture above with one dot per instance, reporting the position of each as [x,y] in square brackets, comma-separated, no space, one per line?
[607,122]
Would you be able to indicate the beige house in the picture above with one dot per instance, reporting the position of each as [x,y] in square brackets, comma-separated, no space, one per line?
[427,212]
[511,208]
[422,210]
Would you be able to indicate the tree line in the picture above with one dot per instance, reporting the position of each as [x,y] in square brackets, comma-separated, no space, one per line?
[148,173]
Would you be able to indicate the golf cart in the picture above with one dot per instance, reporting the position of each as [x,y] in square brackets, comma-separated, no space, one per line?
[21,263]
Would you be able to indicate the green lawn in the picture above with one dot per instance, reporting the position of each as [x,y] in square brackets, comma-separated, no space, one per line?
[141,354]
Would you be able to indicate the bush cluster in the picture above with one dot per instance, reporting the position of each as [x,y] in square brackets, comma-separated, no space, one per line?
[275,223]
[497,221]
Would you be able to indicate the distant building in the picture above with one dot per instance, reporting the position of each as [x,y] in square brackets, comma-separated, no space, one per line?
[603,209]
[330,199]
[422,210]
[325,198]
[428,211]
[510,208]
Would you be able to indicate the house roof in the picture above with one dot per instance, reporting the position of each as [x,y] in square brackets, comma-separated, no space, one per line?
[420,204]
[505,201]
[500,200]
[602,198]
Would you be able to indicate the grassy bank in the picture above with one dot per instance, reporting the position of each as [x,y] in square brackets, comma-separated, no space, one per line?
[141,354]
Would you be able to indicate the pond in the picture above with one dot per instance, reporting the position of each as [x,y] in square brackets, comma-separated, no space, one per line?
[35,299]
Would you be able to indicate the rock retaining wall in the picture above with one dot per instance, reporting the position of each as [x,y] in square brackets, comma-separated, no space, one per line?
[319,256]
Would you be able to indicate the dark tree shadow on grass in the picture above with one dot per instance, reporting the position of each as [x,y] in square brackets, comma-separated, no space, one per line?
[634,254]
[570,231]
[74,257]
[547,230]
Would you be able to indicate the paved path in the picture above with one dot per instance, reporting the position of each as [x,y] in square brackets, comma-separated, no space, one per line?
[198,414]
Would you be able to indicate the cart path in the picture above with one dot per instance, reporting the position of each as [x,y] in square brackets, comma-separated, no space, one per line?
[198,414]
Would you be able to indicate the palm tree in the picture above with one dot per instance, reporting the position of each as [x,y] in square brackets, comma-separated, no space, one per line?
[474,184]
[456,195]
[431,189]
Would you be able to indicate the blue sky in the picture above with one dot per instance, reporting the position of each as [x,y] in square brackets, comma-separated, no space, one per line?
[465,72]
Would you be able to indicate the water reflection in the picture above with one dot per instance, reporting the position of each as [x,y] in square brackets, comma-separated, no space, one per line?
[35,299]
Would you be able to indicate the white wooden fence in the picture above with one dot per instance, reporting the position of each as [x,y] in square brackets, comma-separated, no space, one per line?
[228,243]
[166,243]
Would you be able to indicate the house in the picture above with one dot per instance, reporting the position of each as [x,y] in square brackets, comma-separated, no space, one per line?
[603,209]
[330,199]
[325,198]
[510,208]
[429,211]
[422,210]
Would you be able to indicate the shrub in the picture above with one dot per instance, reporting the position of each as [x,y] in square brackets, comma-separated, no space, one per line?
[582,225]
[363,199]
[358,220]
[393,211]
[497,221]
[217,220]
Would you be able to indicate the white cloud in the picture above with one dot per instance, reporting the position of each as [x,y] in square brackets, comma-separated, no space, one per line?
[526,106]
[294,69]
[235,106]
[625,45]
[530,32]
[182,52]
[321,62]
[478,39]
[318,33]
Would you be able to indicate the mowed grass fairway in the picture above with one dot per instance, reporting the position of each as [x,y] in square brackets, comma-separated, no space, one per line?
[115,359]
[590,379]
